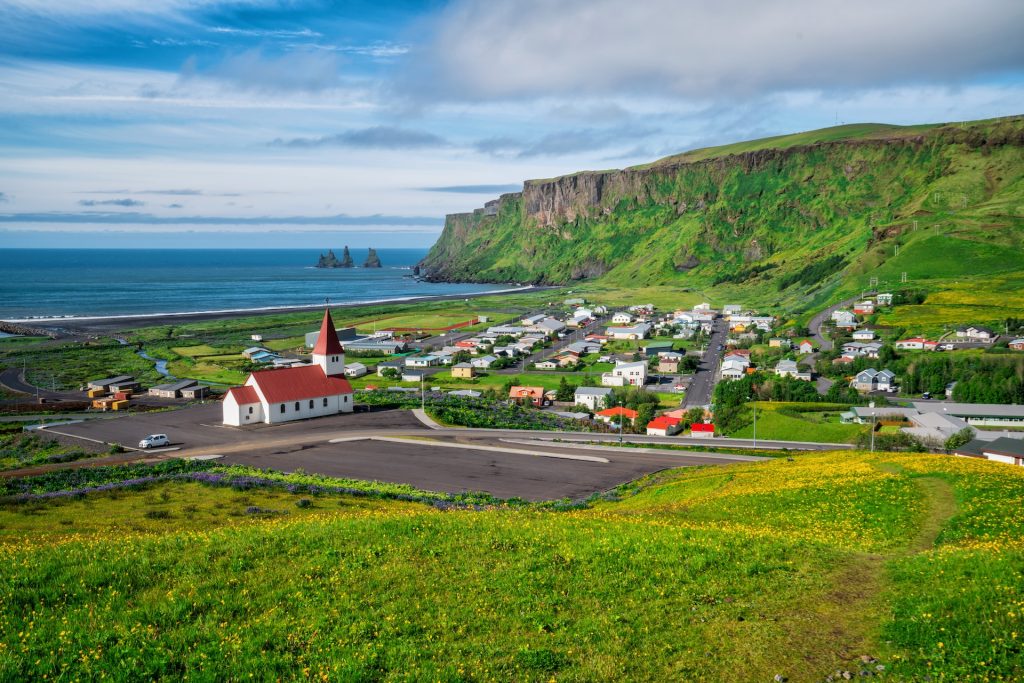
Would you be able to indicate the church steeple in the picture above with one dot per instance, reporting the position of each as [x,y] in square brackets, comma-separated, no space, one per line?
[328,353]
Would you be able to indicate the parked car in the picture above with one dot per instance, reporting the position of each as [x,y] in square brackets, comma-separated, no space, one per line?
[154,441]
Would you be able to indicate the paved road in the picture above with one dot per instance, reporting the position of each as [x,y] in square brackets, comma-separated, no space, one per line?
[816,322]
[703,384]
[14,380]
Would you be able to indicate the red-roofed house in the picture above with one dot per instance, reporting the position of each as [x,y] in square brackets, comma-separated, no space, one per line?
[609,414]
[294,393]
[664,426]
[805,346]
[533,395]
[702,429]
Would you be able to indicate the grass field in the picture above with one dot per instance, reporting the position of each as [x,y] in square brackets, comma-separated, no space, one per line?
[790,568]
[821,426]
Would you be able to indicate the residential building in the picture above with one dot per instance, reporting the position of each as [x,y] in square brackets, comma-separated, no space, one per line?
[866,307]
[702,429]
[421,361]
[343,334]
[551,325]
[884,299]
[396,365]
[1003,449]
[733,369]
[463,370]
[294,393]
[864,335]
[622,318]
[779,343]
[355,370]
[664,426]
[805,346]
[546,365]
[172,389]
[626,374]
[1017,344]
[253,350]
[532,320]
[976,333]
[594,398]
[483,362]
[731,309]
[656,348]
[609,414]
[870,379]
[532,395]
[911,344]
[668,365]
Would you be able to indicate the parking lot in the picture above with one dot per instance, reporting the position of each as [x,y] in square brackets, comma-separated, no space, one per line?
[391,446]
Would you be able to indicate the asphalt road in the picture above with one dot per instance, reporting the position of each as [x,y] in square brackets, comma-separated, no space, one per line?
[702,385]
[814,325]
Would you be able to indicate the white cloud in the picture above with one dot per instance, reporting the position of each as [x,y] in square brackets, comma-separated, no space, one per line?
[503,49]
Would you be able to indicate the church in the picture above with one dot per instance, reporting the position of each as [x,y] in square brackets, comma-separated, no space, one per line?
[295,393]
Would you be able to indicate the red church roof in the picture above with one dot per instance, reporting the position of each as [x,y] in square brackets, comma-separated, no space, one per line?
[244,395]
[300,382]
[701,427]
[327,343]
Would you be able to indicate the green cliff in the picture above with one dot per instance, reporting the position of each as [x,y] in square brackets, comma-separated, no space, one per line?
[782,215]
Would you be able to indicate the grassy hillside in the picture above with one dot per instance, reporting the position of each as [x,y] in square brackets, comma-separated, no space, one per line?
[786,222]
[798,568]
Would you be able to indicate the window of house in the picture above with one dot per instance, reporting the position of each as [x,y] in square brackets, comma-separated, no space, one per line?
[325,402]
[311,403]
[250,410]
[282,407]
[296,405]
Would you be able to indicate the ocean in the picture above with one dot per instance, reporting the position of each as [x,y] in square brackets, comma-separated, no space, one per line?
[45,283]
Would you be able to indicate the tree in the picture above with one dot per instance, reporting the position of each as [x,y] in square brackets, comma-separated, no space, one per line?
[694,416]
[959,439]
[389,373]
[566,392]
[645,413]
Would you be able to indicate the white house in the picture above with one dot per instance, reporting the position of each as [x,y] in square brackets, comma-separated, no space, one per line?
[483,362]
[913,344]
[355,370]
[593,398]
[546,365]
[733,369]
[622,318]
[702,307]
[731,309]
[787,367]
[295,393]
[884,299]
[533,320]
[864,335]
[421,361]
[623,374]
[976,333]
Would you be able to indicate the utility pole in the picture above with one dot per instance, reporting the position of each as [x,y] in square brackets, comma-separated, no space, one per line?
[872,406]
[423,396]
[621,418]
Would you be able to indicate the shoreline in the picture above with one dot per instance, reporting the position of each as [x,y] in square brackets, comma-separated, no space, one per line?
[111,323]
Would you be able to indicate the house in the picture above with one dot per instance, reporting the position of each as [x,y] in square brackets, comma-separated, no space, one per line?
[731,309]
[664,426]
[976,333]
[638,331]
[413,376]
[622,318]
[787,368]
[733,369]
[702,429]
[355,370]
[668,365]
[610,414]
[463,370]
[396,365]
[1017,344]
[171,390]
[805,346]
[626,374]
[381,345]
[594,398]
[483,362]
[264,357]
[911,344]
[884,299]
[705,306]
[1003,449]
[779,343]
[421,361]
[844,319]
[343,333]
[532,395]
[566,360]
[656,348]
[295,393]
[865,307]
[870,379]
[546,365]
[864,335]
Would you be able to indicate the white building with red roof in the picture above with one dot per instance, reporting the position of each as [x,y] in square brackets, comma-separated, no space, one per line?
[296,393]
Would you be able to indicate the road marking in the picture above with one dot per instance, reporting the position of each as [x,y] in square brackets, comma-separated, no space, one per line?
[625,450]
[472,447]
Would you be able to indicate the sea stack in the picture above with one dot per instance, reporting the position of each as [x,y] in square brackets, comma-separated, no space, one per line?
[372,260]
[329,260]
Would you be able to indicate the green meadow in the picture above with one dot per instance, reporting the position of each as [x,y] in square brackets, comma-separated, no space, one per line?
[905,566]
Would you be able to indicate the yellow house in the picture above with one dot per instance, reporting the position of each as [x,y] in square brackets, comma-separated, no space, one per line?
[463,370]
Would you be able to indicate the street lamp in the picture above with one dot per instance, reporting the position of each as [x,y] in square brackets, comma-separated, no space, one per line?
[621,418]
[753,405]
[423,396]
[872,406]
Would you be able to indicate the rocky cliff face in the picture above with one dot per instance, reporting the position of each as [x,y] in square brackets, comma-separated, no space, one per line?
[716,215]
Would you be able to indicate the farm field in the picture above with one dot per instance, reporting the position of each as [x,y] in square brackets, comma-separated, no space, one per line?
[791,568]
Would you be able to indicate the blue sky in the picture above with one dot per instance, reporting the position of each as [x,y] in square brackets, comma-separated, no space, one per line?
[365,122]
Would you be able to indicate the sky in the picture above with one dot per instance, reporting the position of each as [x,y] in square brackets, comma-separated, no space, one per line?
[316,123]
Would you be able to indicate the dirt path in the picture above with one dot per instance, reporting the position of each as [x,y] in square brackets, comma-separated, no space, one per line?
[836,631]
